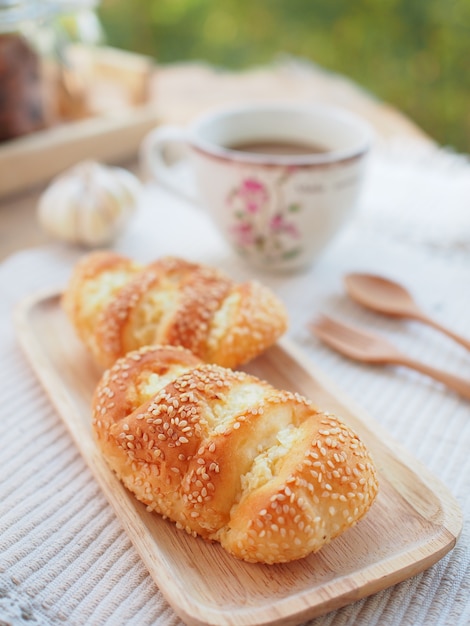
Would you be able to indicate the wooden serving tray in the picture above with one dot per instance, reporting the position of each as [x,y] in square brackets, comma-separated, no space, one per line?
[413,523]
[119,113]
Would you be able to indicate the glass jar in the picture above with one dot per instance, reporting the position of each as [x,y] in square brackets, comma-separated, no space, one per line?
[25,102]
[78,34]
[79,21]
[41,83]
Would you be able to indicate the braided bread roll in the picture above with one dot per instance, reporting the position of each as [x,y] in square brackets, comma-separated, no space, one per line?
[117,305]
[230,458]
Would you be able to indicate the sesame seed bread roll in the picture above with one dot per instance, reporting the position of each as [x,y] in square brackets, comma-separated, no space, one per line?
[230,458]
[117,306]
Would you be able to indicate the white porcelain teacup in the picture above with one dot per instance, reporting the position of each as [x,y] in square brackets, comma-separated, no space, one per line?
[279,180]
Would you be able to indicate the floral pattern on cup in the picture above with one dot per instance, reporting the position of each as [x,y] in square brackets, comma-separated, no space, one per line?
[264,223]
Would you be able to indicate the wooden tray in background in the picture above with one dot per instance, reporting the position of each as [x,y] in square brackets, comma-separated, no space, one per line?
[121,112]
[413,523]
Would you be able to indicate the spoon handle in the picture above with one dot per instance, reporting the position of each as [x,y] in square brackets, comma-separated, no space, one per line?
[458,338]
[456,383]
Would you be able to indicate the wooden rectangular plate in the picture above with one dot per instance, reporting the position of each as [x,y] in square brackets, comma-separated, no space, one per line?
[413,523]
[119,113]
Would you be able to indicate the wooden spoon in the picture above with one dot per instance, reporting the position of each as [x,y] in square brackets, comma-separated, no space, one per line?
[371,348]
[390,298]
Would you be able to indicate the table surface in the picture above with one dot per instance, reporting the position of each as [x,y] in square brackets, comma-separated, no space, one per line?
[184,90]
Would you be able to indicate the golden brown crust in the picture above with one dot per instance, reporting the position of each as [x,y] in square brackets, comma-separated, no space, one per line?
[84,285]
[192,293]
[228,457]
[256,321]
[117,306]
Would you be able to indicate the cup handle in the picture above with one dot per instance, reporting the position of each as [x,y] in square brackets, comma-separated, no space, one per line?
[154,165]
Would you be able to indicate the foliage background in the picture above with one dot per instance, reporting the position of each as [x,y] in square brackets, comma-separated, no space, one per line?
[413,54]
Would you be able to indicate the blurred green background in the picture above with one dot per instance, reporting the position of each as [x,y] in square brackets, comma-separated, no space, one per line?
[413,54]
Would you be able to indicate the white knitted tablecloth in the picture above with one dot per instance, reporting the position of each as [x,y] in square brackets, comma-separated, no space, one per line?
[64,557]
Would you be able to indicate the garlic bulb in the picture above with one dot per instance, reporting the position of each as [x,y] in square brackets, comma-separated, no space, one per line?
[89,204]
